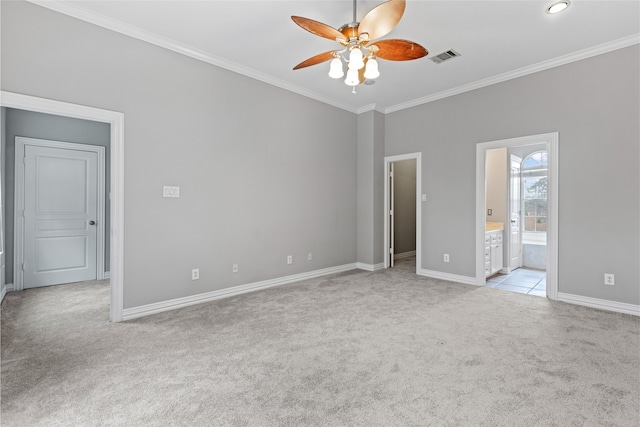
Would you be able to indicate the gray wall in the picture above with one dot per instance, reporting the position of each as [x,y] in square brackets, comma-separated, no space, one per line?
[370,236]
[404,201]
[594,105]
[46,126]
[264,173]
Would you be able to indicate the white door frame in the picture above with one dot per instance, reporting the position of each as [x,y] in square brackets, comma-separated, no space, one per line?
[387,162]
[551,142]
[116,149]
[18,206]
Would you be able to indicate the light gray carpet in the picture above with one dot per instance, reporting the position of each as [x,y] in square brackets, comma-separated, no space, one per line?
[355,349]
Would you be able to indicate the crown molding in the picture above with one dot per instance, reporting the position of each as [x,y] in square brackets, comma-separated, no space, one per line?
[541,66]
[158,40]
[366,108]
[166,43]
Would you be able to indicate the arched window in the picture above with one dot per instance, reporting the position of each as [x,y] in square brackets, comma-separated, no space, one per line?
[534,186]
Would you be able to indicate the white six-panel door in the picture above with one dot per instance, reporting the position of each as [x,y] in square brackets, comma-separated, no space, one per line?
[61,214]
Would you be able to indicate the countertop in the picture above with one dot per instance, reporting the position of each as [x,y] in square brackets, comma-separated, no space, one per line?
[494,226]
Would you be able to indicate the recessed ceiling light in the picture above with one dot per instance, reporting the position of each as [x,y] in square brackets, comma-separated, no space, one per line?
[558,7]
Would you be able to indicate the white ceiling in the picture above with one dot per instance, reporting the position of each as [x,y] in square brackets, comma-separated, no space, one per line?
[497,40]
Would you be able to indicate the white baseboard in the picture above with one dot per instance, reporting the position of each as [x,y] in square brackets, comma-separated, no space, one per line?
[3,292]
[370,267]
[146,310]
[602,304]
[106,275]
[404,255]
[448,276]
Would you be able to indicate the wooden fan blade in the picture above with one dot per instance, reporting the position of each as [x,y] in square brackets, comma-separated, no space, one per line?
[318,59]
[318,28]
[399,50]
[382,19]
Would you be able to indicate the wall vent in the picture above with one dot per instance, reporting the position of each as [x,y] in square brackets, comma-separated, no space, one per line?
[445,56]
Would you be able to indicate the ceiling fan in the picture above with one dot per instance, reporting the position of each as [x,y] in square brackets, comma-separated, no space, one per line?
[360,40]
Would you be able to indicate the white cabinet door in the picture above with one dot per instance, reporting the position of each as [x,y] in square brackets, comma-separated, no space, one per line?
[60,211]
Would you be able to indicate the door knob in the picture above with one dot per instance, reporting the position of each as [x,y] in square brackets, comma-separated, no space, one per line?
[92,223]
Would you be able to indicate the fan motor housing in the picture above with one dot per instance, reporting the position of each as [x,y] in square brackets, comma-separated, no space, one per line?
[350,31]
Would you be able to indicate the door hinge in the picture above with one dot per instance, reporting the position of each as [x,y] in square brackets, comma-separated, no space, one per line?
[23,266]
[391,212]
[391,250]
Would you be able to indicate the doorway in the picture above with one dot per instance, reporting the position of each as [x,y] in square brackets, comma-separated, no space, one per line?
[115,121]
[402,200]
[522,209]
[59,213]
[526,223]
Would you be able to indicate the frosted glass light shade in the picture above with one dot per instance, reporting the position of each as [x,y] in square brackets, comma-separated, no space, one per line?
[371,72]
[355,59]
[335,69]
[352,78]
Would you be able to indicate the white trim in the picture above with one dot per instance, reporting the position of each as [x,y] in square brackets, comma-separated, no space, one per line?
[3,292]
[183,49]
[370,267]
[116,121]
[146,310]
[18,228]
[602,304]
[404,255]
[9,287]
[106,275]
[551,141]
[448,276]
[366,109]
[510,75]
[387,161]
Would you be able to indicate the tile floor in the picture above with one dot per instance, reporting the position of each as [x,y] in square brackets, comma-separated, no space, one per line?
[522,280]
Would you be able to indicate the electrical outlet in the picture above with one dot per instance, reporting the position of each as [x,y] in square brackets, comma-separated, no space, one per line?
[235,268]
[290,259]
[609,279]
[446,257]
[489,211]
[309,256]
[195,274]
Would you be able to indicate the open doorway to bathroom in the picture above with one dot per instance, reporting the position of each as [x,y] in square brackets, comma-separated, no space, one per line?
[516,218]
[519,174]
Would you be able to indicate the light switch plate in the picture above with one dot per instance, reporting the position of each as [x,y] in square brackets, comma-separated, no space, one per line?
[168,191]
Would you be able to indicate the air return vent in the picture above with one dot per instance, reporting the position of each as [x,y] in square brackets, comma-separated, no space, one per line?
[445,56]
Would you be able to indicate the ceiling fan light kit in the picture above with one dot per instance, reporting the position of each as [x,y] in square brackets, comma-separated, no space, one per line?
[360,47]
